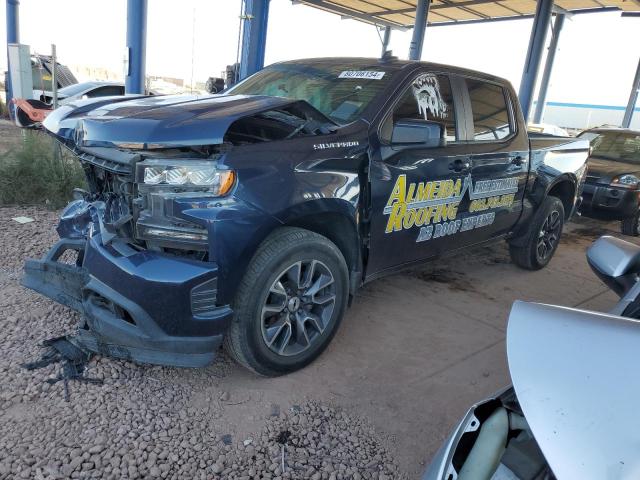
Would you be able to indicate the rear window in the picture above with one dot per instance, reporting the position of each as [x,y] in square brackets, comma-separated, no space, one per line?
[491,119]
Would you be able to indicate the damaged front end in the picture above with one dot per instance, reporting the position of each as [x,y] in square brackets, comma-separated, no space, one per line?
[145,272]
[142,281]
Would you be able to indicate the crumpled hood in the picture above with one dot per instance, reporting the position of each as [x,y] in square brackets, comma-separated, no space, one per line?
[604,170]
[575,374]
[161,121]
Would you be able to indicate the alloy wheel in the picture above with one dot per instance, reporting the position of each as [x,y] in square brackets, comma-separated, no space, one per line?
[298,308]
[549,235]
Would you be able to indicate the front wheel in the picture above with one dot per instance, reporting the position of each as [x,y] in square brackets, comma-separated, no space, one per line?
[289,303]
[542,237]
[631,226]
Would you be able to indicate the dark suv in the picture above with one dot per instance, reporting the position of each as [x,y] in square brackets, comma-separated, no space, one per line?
[612,188]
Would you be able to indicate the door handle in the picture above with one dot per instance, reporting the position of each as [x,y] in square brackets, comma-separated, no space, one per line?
[460,165]
[518,160]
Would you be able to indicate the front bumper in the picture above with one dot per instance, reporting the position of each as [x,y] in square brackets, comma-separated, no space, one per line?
[609,203]
[144,306]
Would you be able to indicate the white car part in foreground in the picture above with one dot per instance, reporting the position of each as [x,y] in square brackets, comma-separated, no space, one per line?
[575,376]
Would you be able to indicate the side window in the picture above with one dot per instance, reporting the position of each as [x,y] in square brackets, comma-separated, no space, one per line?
[107,91]
[428,98]
[491,119]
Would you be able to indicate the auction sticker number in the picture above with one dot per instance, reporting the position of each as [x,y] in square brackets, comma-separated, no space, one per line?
[364,74]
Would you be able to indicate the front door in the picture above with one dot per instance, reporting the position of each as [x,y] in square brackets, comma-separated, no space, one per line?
[419,191]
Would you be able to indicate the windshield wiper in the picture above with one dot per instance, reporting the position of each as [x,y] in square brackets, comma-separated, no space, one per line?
[298,129]
[323,128]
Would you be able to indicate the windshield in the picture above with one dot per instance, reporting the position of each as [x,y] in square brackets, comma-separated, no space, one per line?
[615,145]
[340,91]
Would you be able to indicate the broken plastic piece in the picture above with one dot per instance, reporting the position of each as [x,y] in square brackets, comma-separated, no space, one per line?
[74,358]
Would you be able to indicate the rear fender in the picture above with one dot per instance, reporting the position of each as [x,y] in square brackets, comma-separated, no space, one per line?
[544,184]
[553,160]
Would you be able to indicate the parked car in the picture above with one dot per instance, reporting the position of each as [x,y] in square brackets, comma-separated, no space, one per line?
[612,188]
[254,216]
[566,416]
[90,90]
[30,112]
[547,129]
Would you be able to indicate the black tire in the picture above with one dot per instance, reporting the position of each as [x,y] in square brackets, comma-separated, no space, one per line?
[546,228]
[629,226]
[270,272]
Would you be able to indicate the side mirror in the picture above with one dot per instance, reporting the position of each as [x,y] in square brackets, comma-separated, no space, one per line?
[616,262]
[409,131]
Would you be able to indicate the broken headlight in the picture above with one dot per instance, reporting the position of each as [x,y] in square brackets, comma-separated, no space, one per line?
[165,187]
[186,175]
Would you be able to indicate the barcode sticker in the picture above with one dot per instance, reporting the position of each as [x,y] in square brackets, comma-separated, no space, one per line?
[365,74]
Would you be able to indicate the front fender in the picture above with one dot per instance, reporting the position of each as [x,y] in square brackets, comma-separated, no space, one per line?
[318,207]
[236,229]
[337,220]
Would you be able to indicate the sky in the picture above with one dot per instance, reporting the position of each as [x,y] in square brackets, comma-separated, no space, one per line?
[595,63]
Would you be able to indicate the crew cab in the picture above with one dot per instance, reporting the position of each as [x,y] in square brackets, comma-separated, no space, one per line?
[253,216]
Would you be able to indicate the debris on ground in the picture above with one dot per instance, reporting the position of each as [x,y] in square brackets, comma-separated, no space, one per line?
[74,362]
[23,220]
[314,441]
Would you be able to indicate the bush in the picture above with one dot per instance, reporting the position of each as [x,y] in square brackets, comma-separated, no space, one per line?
[39,172]
[4,113]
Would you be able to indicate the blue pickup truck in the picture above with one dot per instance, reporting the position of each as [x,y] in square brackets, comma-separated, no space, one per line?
[252,217]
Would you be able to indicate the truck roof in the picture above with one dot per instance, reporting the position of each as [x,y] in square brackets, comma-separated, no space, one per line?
[394,64]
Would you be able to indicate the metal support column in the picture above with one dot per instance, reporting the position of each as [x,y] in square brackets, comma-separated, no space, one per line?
[54,77]
[534,54]
[254,36]
[385,40]
[633,98]
[548,68]
[136,46]
[417,40]
[13,36]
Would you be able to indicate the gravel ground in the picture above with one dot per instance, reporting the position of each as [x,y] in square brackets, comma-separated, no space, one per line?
[146,421]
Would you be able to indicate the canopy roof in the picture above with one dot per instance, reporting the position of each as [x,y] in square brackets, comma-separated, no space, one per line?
[401,13]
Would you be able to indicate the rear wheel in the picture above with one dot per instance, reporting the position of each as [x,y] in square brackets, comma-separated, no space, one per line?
[542,238]
[289,303]
[631,226]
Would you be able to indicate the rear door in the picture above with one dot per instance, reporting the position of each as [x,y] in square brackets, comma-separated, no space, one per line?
[418,201]
[499,156]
